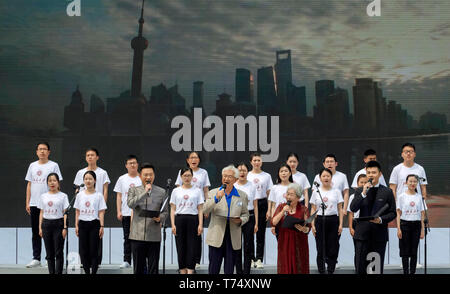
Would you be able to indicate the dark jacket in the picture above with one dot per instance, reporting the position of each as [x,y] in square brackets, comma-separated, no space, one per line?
[369,206]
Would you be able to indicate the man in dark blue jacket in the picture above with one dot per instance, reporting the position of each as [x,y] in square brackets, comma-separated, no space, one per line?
[371,235]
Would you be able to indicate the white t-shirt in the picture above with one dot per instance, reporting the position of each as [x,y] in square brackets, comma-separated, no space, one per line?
[302,180]
[363,172]
[37,175]
[124,183]
[250,190]
[102,178]
[187,200]
[411,206]
[89,205]
[53,205]
[200,179]
[350,199]
[278,194]
[399,174]
[338,181]
[331,198]
[263,183]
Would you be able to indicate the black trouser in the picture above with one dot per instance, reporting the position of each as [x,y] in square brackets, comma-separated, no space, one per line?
[248,247]
[35,239]
[54,244]
[354,244]
[225,251]
[198,248]
[331,242]
[88,242]
[364,247]
[186,240]
[126,242]
[145,256]
[409,243]
[261,234]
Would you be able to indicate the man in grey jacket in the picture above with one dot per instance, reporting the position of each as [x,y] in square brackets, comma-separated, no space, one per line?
[145,233]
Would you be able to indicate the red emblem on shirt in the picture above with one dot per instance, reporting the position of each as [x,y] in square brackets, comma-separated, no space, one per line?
[50,203]
[186,197]
[194,179]
[255,181]
[132,185]
[39,173]
[412,203]
[325,199]
[87,204]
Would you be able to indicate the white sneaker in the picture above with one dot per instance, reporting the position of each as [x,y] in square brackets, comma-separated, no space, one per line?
[259,264]
[125,264]
[419,265]
[337,266]
[34,263]
[197,266]
[253,264]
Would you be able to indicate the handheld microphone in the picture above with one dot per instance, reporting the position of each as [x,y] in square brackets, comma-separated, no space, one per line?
[224,186]
[370,180]
[316,184]
[169,182]
[287,203]
[422,179]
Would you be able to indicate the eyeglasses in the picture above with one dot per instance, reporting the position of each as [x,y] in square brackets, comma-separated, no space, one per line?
[228,176]
[42,149]
[409,151]
[132,163]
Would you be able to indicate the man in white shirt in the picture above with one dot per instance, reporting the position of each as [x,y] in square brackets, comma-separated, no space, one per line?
[123,185]
[37,185]
[369,155]
[397,181]
[101,185]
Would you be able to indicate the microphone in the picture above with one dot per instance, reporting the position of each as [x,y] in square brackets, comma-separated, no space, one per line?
[75,187]
[224,186]
[287,203]
[316,184]
[169,182]
[370,180]
[422,179]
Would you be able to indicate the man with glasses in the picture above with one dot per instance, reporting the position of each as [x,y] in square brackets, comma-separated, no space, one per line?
[397,181]
[37,185]
[123,185]
[228,208]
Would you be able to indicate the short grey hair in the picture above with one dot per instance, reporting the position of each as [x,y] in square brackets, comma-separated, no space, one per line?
[233,168]
[297,189]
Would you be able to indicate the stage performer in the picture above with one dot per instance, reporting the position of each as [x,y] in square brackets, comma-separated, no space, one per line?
[228,208]
[263,183]
[52,223]
[293,251]
[186,216]
[377,201]
[90,208]
[36,177]
[333,219]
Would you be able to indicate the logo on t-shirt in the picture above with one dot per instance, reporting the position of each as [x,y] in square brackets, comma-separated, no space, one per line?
[194,179]
[186,197]
[39,173]
[132,185]
[256,181]
[50,203]
[325,199]
[412,204]
[87,204]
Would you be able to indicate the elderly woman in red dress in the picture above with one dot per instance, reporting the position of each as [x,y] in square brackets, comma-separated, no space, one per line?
[293,252]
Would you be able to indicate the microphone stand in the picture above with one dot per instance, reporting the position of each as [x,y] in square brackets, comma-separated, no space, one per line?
[165,226]
[323,226]
[67,224]
[426,230]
